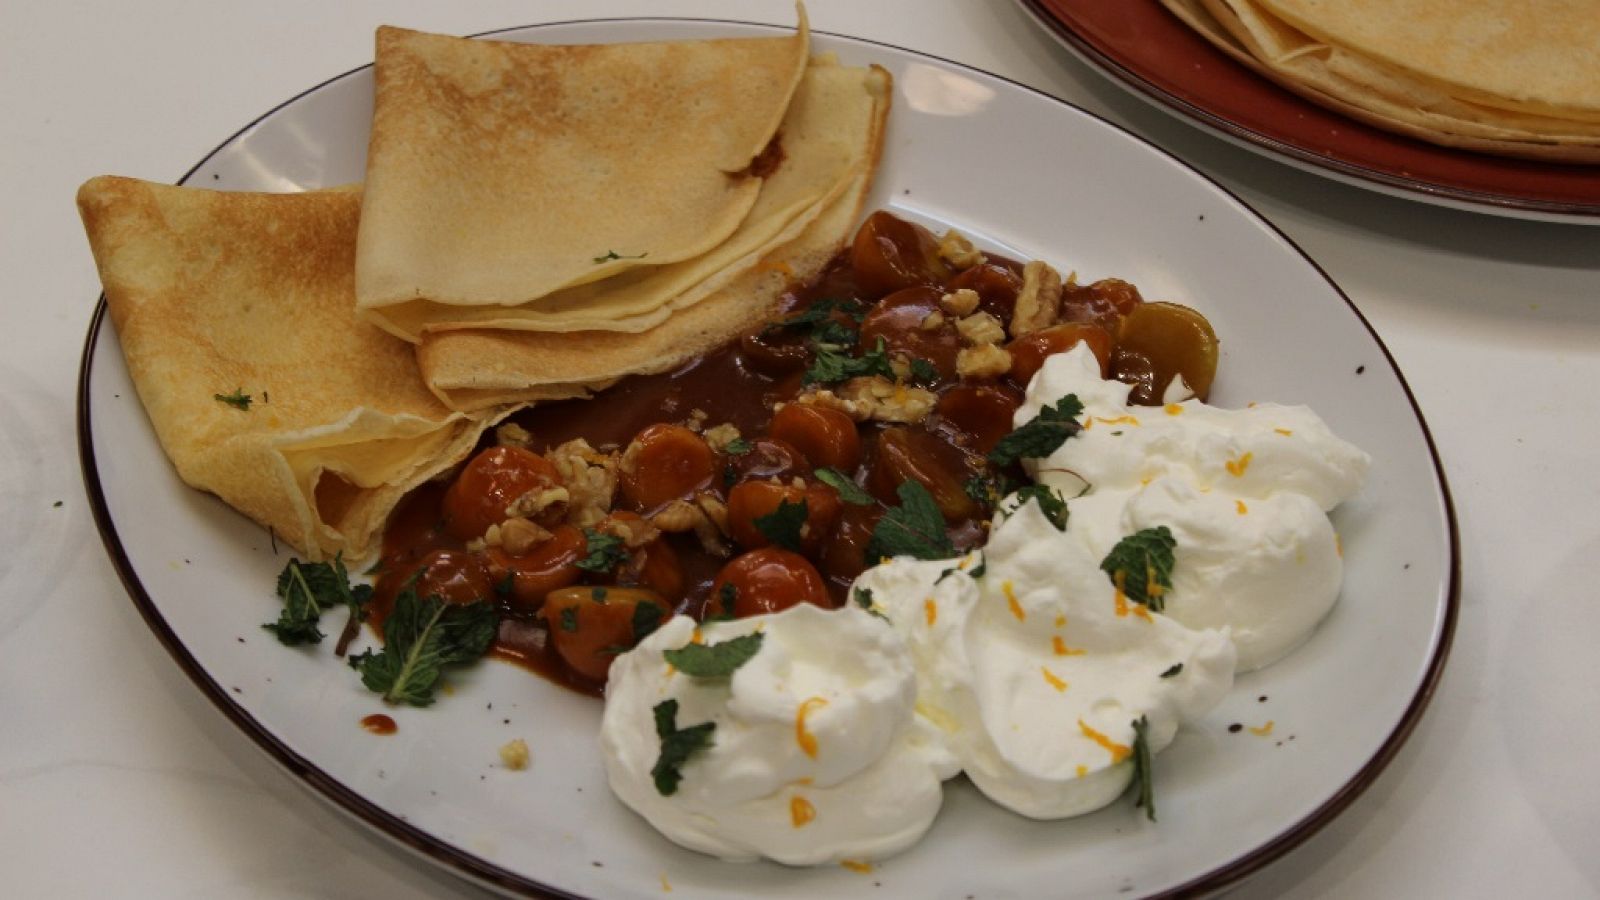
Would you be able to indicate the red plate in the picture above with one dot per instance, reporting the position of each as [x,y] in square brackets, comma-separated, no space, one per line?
[1150,52]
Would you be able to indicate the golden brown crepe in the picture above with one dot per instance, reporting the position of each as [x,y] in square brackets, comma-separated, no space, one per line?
[825,136]
[214,293]
[1531,56]
[474,369]
[499,173]
[1382,95]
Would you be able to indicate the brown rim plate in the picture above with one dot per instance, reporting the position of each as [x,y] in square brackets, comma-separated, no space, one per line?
[1147,50]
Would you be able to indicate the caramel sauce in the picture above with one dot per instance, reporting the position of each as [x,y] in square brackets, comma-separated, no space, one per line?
[378,723]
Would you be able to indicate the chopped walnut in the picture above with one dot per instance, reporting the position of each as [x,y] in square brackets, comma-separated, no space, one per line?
[876,397]
[590,478]
[512,435]
[932,321]
[546,504]
[981,328]
[491,538]
[518,536]
[955,249]
[826,398]
[634,533]
[983,361]
[514,754]
[676,517]
[706,516]
[960,303]
[697,420]
[1039,301]
[714,508]
[720,437]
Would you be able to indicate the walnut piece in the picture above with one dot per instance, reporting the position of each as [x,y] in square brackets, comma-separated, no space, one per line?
[955,249]
[932,321]
[514,754]
[960,303]
[705,515]
[518,536]
[546,504]
[1039,301]
[983,361]
[634,533]
[981,328]
[512,435]
[876,397]
[721,436]
[590,478]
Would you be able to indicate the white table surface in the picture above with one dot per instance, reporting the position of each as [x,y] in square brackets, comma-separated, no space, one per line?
[117,777]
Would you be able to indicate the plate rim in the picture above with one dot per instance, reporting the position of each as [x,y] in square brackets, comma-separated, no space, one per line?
[472,867]
[1305,159]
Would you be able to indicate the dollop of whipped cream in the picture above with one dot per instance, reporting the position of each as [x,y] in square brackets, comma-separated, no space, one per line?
[1244,492]
[1037,670]
[816,756]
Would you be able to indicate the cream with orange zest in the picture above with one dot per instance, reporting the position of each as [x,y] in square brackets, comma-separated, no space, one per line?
[816,755]
[1245,493]
[1023,655]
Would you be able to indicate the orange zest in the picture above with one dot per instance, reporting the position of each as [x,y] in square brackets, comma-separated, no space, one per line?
[1011,600]
[931,610]
[801,812]
[1052,679]
[1237,467]
[1119,752]
[807,740]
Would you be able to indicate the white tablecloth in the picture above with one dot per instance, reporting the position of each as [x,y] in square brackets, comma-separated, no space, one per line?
[117,778]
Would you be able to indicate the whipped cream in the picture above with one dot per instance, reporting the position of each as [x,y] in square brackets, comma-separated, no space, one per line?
[1245,493]
[831,743]
[816,756]
[1036,671]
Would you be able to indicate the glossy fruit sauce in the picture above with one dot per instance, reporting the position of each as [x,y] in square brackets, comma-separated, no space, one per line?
[879,311]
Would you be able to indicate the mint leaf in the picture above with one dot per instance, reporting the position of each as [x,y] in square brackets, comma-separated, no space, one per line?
[1143,774]
[832,365]
[605,552]
[238,399]
[1140,565]
[714,660]
[728,595]
[924,373]
[676,746]
[612,254]
[1041,436]
[782,525]
[646,619]
[1173,671]
[420,637]
[306,590]
[914,528]
[737,447]
[848,490]
[1051,503]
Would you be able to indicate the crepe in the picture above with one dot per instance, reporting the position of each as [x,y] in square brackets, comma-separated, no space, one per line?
[825,135]
[219,297]
[476,369]
[1532,56]
[499,173]
[1378,94]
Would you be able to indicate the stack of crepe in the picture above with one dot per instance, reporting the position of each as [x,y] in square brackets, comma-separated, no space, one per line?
[536,223]
[1510,77]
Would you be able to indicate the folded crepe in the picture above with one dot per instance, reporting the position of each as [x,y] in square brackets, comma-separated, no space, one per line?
[825,136]
[480,368]
[236,315]
[1402,99]
[499,173]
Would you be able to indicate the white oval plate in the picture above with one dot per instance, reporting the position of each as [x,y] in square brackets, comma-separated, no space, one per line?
[1022,171]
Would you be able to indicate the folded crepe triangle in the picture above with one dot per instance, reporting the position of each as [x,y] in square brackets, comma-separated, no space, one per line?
[499,173]
[235,313]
